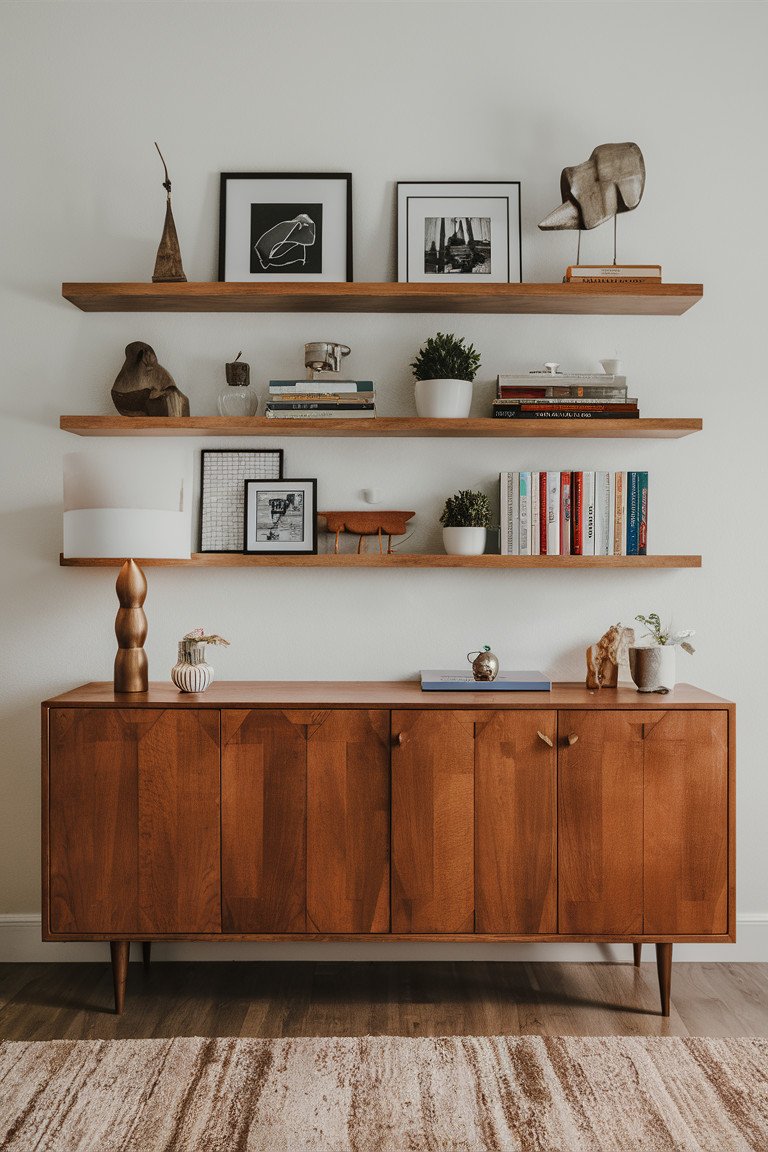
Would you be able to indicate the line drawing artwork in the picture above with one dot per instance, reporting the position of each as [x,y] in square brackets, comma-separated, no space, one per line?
[287,242]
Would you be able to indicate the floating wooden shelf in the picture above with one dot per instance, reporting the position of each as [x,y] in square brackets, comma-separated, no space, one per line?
[393,560]
[563,299]
[385,426]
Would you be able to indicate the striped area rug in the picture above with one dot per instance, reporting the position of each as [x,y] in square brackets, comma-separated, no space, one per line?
[388,1094]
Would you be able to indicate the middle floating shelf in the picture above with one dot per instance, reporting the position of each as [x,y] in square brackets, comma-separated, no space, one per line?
[391,560]
[384,426]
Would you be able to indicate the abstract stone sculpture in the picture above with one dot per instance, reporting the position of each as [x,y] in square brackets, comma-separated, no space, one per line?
[144,388]
[367,524]
[604,658]
[609,182]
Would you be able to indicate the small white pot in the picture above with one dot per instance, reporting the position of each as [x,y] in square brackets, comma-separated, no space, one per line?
[464,541]
[653,668]
[443,399]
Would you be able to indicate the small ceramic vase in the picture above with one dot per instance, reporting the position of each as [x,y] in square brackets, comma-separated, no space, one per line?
[464,541]
[191,673]
[652,668]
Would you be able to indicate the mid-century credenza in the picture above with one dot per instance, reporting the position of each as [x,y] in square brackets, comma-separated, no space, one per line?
[375,811]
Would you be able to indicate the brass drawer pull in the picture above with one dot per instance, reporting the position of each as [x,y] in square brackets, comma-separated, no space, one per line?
[546,739]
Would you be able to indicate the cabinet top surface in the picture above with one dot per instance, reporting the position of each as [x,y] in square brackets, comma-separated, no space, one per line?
[376,694]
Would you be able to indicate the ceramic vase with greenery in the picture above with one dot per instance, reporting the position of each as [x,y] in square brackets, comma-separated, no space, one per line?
[653,666]
[465,519]
[444,369]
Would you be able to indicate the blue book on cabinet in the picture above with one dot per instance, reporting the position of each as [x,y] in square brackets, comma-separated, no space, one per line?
[459,681]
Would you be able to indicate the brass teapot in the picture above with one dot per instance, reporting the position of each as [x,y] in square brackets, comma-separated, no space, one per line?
[485,666]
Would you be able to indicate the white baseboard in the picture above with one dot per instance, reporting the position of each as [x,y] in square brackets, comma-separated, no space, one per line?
[20,943]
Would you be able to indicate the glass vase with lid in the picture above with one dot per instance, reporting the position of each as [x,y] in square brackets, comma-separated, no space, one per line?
[238,398]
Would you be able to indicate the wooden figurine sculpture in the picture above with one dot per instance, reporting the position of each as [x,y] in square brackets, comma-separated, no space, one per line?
[168,266]
[610,181]
[144,388]
[604,658]
[367,524]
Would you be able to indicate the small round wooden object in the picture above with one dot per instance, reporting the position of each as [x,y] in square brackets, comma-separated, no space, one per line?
[572,739]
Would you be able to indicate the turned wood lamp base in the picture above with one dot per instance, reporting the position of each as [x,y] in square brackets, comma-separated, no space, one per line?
[131,666]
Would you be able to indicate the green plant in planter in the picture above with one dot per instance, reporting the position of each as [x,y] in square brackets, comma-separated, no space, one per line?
[665,637]
[446,357]
[466,509]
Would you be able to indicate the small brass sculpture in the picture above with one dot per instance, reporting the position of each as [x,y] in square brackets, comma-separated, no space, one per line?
[604,657]
[485,666]
[609,182]
[144,388]
[168,266]
[324,356]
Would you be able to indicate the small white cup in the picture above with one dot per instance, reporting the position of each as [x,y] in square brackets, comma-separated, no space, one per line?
[611,367]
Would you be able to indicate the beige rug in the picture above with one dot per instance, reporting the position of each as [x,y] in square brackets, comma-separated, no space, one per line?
[388,1094]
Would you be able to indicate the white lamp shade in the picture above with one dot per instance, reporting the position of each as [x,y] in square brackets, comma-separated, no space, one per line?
[120,506]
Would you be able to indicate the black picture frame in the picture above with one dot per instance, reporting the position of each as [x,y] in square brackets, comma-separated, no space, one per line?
[229,519]
[282,489]
[505,194]
[234,217]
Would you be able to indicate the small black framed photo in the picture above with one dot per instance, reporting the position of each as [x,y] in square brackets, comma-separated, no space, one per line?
[289,226]
[281,517]
[223,472]
[460,230]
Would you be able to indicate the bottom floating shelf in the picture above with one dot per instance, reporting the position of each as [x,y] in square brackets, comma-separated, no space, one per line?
[393,560]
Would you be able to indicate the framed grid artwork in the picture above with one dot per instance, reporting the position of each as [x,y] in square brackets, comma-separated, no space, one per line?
[223,473]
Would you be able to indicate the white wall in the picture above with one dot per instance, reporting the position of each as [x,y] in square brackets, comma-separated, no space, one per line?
[385,91]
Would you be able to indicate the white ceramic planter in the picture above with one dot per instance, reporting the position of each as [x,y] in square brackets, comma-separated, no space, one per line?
[443,399]
[191,673]
[653,668]
[464,541]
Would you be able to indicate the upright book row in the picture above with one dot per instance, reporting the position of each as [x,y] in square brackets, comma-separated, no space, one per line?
[574,513]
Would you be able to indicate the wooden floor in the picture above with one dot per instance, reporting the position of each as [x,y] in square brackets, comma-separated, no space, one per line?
[72,1001]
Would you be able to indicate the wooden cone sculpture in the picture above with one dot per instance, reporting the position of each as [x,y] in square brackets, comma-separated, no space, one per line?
[168,266]
[131,667]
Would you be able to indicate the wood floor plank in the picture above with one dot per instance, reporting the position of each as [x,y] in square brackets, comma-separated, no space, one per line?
[310,998]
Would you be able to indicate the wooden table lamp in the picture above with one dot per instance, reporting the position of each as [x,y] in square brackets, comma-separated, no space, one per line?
[120,508]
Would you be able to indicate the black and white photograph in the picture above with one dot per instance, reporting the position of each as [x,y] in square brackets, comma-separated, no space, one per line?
[459,230]
[457,244]
[280,516]
[223,472]
[285,227]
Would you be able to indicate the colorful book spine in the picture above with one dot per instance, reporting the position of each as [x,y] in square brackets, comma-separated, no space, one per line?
[553,513]
[543,410]
[603,514]
[504,533]
[642,538]
[317,406]
[543,514]
[620,515]
[291,387]
[633,513]
[565,513]
[588,534]
[514,512]
[535,533]
[525,513]
[577,513]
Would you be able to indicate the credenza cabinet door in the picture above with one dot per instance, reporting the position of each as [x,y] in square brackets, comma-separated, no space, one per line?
[348,821]
[263,820]
[134,821]
[433,821]
[600,822]
[515,829]
[686,822]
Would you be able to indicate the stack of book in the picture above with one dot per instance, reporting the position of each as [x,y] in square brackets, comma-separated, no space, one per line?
[320,400]
[574,513]
[613,274]
[563,396]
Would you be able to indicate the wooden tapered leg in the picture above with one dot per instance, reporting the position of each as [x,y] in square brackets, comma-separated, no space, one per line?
[146,954]
[664,966]
[120,950]
[638,952]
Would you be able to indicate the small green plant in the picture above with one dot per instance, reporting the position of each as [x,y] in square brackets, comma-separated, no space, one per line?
[466,510]
[446,357]
[665,636]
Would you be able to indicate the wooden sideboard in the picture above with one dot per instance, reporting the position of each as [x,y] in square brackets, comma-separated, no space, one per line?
[350,811]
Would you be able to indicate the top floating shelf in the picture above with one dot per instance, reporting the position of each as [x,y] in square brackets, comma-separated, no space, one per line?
[552,299]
